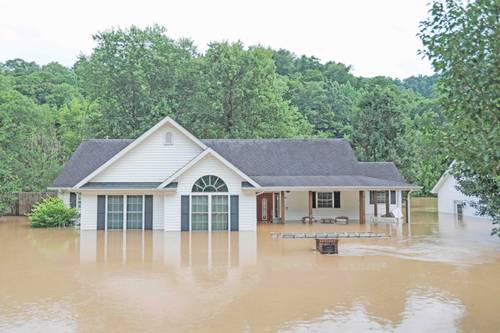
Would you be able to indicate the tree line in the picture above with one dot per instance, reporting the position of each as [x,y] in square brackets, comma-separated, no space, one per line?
[134,77]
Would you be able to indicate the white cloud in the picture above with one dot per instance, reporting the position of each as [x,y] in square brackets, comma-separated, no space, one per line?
[376,37]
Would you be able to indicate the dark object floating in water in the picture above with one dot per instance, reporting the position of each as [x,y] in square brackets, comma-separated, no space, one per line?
[327,245]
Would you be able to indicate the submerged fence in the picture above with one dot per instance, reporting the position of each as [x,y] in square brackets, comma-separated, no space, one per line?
[22,202]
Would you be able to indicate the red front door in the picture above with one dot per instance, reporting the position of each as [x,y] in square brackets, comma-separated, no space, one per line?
[265,207]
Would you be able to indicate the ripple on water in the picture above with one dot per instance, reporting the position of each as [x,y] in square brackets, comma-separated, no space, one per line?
[426,310]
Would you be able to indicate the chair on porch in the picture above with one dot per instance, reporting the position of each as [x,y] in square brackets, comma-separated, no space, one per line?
[308,219]
[342,220]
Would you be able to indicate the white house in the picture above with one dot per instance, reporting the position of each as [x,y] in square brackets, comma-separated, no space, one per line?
[167,179]
[450,199]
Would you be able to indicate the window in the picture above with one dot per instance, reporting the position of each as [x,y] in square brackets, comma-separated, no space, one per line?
[209,184]
[325,200]
[263,213]
[199,212]
[79,202]
[169,139]
[220,210]
[134,212]
[115,212]
[381,197]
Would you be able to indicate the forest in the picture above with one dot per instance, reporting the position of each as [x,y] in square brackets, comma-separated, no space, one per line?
[136,76]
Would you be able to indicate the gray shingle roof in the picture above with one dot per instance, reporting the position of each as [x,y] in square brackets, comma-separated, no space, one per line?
[270,162]
[305,162]
[89,156]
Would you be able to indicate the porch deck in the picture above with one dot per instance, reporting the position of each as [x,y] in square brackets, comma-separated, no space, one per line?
[349,234]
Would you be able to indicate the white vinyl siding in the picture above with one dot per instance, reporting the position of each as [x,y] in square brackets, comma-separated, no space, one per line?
[369,208]
[64,196]
[89,208]
[88,219]
[297,206]
[158,213]
[172,208]
[209,165]
[448,195]
[152,160]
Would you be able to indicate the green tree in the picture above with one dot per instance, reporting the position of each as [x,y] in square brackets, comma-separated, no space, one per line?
[379,126]
[136,77]
[462,41]
[243,96]
[29,150]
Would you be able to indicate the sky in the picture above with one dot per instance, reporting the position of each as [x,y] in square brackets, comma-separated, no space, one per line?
[375,37]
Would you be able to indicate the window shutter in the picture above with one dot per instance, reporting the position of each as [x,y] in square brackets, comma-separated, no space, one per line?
[101,211]
[393,197]
[336,199]
[185,213]
[235,213]
[314,199]
[148,212]
[371,197]
[72,199]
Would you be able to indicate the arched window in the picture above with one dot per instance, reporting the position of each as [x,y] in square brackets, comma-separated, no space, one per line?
[209,184]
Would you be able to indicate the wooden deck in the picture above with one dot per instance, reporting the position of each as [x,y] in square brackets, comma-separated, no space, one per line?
[314,235]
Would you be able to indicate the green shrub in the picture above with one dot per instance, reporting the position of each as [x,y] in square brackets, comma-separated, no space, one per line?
[52,212]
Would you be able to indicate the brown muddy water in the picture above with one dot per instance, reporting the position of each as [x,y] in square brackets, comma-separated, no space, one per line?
[440,275]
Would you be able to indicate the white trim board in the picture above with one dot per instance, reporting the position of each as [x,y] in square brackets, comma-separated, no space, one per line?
[138,141]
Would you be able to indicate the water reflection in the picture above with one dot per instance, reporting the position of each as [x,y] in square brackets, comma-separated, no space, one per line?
[441,313]
[442,278]
[174,249]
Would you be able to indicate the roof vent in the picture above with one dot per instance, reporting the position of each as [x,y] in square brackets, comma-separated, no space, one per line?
[169,139]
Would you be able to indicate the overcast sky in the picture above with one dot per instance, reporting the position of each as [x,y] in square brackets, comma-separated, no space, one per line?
[376,37]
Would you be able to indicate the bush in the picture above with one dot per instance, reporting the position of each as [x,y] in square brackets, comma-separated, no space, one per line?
[52,212]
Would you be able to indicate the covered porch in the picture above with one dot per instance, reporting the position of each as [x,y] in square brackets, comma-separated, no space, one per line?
[330,205]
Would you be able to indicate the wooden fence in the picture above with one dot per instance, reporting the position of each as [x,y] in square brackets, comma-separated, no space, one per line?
[25,201]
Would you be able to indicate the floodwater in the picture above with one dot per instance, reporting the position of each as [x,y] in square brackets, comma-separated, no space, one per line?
[441,275]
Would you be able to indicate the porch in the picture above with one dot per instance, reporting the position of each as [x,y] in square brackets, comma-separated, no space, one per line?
[325,205]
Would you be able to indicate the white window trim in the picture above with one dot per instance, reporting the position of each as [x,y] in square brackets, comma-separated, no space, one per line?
[125,211]
[333,200]
[209,202]
[317,200]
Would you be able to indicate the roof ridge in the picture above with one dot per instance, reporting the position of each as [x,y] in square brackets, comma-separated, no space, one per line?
[279,139]
[106,140]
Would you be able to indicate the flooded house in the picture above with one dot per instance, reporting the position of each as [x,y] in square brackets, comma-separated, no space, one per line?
[167,179]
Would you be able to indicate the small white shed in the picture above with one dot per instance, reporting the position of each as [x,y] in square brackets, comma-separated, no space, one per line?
[450,199]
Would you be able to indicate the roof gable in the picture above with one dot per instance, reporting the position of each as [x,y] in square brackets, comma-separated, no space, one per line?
[263,163]
[193,162]
[442,180]
[138,141]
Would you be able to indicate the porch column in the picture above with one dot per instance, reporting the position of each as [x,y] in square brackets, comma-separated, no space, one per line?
[310,205]
[282,204]
[362,216]
[407,205]
[375,203]
[387,203]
